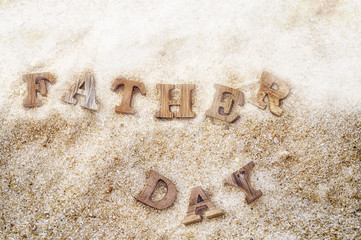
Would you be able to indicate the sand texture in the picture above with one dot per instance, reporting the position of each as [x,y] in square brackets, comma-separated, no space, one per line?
[70,173]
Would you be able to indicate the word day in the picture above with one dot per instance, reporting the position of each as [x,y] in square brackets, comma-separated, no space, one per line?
[225,97]
[198,200]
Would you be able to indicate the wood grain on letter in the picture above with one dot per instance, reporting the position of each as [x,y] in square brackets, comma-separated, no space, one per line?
[36,82]
[185,102]
[242,180]
[85,86]
[151,184]
[222,104]
[125,105]
[198,202]
[275,89]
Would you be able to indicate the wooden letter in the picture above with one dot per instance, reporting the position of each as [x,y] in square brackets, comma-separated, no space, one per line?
[222,105]
[276,91]
[198,202]
[242,179]
[125,106]
[149,188]
[36,83]
[185,101]
[86,87]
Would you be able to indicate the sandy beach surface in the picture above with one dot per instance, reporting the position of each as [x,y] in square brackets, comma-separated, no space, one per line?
[70,173]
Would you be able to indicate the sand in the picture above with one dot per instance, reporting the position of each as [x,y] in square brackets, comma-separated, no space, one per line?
[69,173]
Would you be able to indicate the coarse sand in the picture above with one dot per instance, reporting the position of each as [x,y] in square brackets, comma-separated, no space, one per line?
[69,173]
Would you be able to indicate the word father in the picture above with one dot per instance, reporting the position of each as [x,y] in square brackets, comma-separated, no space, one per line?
[221,108]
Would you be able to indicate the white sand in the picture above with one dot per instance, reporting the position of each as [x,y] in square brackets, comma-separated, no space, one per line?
[58,161]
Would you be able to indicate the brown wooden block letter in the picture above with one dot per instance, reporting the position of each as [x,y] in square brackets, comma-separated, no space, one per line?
[222,104]
[242,180]
[125,106]
[152,181]
[276,91]
[85,86]
[185,102]
[36,83]
[198,202]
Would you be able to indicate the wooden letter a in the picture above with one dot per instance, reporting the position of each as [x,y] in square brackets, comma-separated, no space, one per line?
[198,202]
[152,181]
[86,87]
